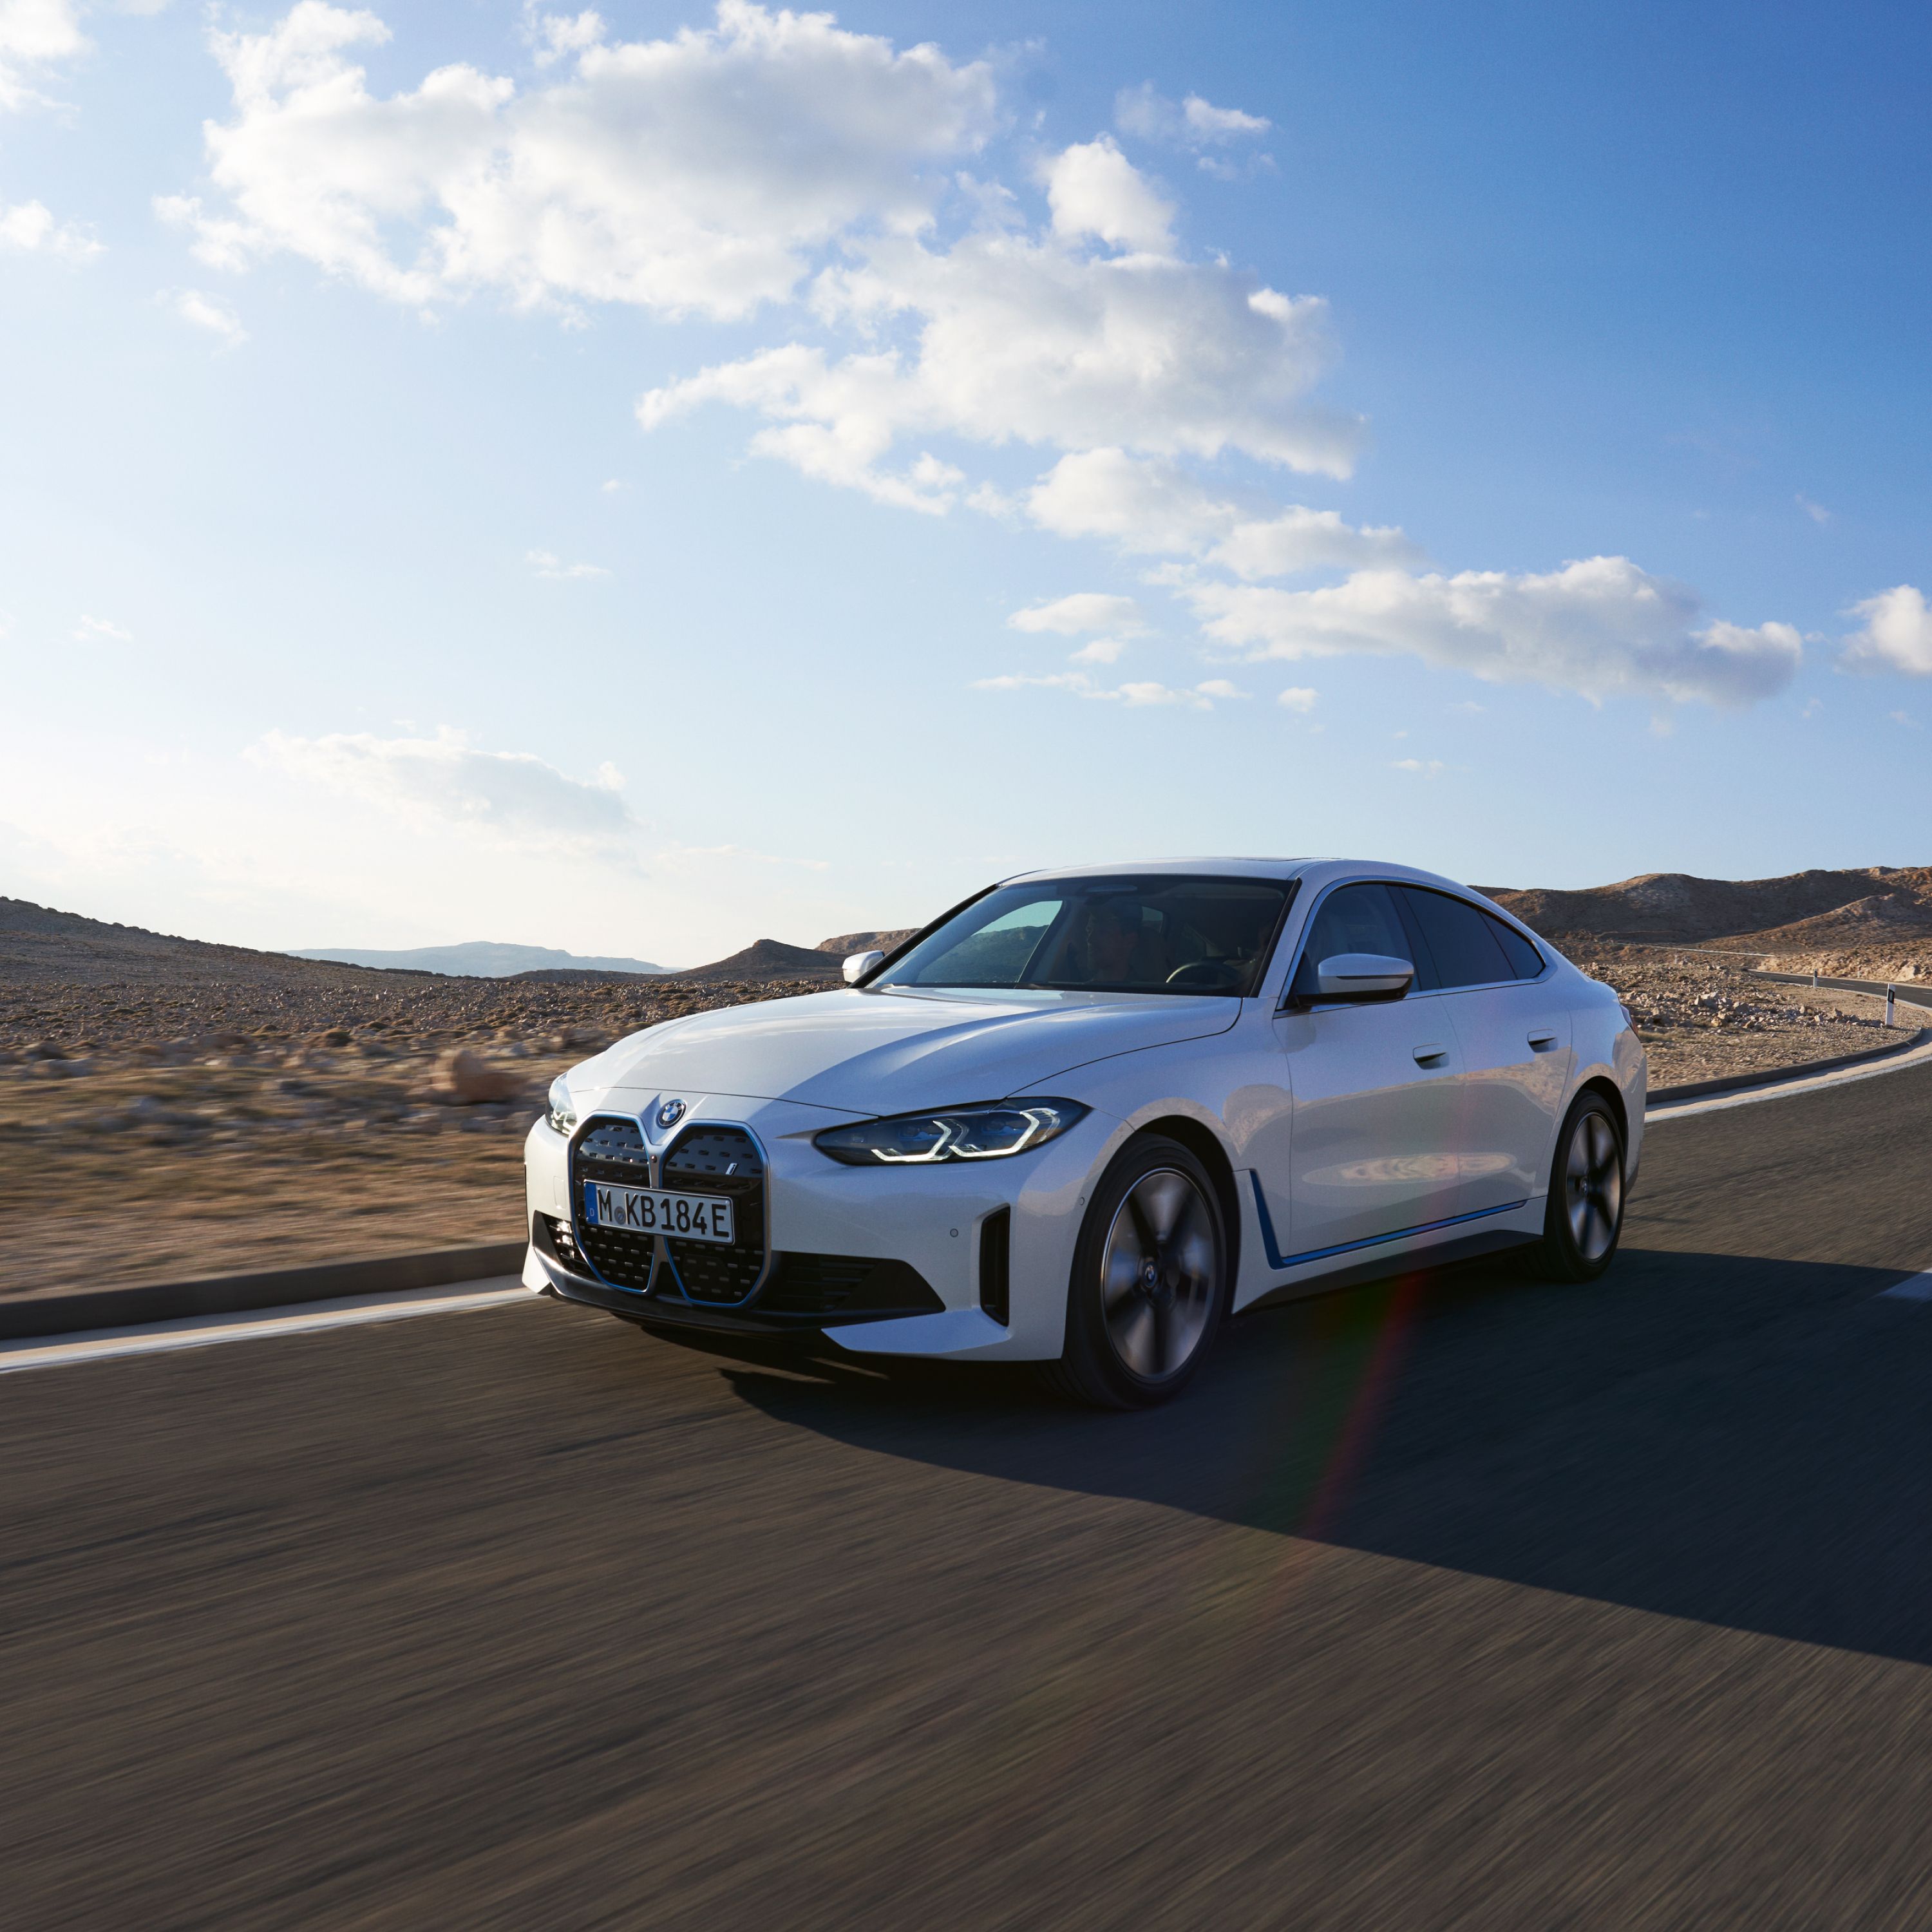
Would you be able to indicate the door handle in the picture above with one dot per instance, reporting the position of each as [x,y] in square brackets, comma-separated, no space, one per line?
[1427,1056]
[1542,1042]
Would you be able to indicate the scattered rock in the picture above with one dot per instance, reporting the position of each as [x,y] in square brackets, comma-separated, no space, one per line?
[45,1049]
[466,1079]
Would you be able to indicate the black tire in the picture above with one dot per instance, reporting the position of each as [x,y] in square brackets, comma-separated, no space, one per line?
[1584,1220]
[1145,1300]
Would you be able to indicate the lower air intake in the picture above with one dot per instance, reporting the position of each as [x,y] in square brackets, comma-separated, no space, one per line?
[849,1288]
[996,1233]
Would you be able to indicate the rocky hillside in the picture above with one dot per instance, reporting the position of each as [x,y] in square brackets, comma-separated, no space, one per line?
[1873,903]
[848,943]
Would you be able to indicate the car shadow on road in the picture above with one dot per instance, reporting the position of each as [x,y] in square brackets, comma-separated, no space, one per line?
[1739,1440]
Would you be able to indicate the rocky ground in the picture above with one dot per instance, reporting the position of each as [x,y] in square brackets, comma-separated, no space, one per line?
[153,1132]
[1702,1017]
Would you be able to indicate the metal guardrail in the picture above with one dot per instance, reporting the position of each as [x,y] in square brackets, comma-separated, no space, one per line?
[1914,994]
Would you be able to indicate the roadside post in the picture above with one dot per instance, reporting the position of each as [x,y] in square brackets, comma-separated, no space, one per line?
[1891,1004]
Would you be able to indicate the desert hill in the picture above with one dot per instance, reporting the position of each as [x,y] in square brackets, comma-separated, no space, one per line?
[846,944]
[769,959]
[39,945]
[1866,905]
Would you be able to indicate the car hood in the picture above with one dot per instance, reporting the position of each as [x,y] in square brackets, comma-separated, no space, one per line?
[895,1050]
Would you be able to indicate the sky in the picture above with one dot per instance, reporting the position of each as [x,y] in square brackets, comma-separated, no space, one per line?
[642,480]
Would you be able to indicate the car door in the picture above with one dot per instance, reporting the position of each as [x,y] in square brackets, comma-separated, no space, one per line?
[1500,996]
[1371,1145]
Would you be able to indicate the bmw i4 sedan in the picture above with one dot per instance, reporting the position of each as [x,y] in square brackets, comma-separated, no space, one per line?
[1084,1117]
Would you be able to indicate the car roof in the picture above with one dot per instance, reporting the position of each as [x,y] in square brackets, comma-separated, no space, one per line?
[1239,869]
[1319,873]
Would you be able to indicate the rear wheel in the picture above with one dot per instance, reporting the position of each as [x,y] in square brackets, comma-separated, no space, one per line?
[1584,1217]
[1149,1282]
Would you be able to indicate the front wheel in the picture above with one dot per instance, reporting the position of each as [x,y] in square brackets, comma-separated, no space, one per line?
[1149,1282]
[1584,1217]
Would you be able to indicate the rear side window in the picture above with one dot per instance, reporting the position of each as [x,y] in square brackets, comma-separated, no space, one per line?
[1462,942]
[1524,959]
[1352,919]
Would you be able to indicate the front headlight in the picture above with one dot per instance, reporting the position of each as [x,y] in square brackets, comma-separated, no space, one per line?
[959,1133]
[562,1114]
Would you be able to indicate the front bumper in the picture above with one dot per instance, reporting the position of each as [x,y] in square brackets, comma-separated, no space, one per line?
[932,1221]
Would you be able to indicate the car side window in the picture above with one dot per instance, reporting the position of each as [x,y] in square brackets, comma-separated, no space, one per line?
[1461,942]
[1524,959]
[1352,919]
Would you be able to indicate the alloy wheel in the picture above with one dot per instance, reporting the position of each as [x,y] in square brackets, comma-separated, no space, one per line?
[1158,1274]
[1593,1182]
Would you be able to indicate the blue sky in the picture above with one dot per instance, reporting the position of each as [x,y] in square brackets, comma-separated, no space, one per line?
[471,472]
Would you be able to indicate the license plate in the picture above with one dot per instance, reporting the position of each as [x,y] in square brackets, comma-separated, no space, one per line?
[657,1210]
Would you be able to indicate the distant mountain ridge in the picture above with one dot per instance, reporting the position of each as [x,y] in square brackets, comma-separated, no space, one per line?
[476,959]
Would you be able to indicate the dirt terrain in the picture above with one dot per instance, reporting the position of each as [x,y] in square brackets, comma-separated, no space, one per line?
[170,1108]
[1705,1018]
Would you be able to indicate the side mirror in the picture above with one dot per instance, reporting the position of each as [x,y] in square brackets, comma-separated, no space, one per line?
[858,964]
[1364,976]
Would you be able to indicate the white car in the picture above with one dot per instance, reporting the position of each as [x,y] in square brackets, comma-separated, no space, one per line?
[1080,1118]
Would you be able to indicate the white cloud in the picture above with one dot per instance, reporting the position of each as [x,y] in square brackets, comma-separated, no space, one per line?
[1191,123]
[1199,697]
[33,35]
[29,226]
[1427,768]
[1152,505]
[1600,627]
[1100,651]
[692,174]
[547,563]
[1897,636]
[1025,341]
[1094,190]
[1084,610]
[1816,512]
[100,630]
[510,799]
[557,36]
[1297,697]
[209,312]
[773,157]
[1906,719]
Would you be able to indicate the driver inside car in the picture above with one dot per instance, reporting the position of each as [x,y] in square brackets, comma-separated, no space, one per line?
[1110,947]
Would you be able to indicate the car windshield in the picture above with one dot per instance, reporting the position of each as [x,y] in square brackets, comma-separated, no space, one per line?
[1161,934]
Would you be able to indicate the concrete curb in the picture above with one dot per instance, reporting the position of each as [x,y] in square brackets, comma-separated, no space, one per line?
[1745,1083]
[237,1294]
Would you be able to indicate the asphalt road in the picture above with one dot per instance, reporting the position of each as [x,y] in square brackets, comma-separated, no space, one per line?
[1459,1602]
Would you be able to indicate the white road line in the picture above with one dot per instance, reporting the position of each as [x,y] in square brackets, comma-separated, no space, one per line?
[204,1331]
[1913,1287]
[1682,1110]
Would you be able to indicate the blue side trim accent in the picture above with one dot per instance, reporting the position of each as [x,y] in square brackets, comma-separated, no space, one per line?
[1277,1260]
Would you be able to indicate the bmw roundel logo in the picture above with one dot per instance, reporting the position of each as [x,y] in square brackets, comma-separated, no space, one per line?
[670,1113]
